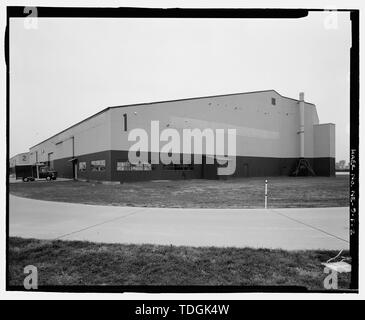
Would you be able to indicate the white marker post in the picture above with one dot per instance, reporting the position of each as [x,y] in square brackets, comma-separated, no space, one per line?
[265,194]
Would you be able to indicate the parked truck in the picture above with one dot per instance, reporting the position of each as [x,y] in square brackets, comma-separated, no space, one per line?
[32,172]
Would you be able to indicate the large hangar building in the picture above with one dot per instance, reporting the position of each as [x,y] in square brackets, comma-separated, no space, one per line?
[273,133]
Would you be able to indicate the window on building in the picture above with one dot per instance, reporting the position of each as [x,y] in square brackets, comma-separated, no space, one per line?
[147,167]
[137,167]
[222,162]
[172,166]
[273,101]
[82,166]
[222,165]
[123,166]
[125,122]
[98,165]
[127,166]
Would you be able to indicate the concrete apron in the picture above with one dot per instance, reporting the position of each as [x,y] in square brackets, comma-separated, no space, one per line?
[289,229]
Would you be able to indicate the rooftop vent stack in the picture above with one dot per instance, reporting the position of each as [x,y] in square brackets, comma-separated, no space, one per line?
[301,120]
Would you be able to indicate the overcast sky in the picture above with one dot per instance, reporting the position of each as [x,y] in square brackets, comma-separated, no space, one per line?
[68,69]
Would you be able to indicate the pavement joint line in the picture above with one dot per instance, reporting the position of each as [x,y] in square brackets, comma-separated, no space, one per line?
[308,225]
[99,224]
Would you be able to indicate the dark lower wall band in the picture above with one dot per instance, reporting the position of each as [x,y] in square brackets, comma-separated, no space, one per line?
[245,167]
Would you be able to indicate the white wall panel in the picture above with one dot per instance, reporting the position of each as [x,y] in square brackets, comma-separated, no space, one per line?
[324,140]
[92,135]
[262,129]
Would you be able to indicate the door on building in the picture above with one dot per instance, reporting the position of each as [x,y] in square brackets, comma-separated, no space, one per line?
[50,160]
[245,170]
[75,170]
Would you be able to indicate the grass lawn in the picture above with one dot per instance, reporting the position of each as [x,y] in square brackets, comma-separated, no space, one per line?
[86,263]
[284,192]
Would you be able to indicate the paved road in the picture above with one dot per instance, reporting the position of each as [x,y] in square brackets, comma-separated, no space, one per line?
[291,229]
